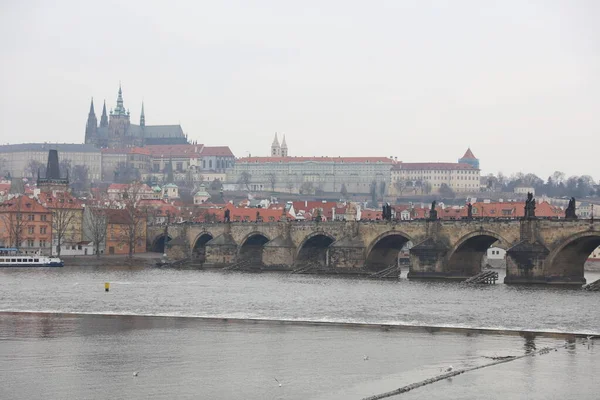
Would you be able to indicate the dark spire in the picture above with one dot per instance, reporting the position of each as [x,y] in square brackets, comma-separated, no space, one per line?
[91,125]
[104,117]
[142,116]
[170,178]
[92,108]
[52,169]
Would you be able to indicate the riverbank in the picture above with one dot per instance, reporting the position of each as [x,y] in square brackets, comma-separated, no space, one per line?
[142,260]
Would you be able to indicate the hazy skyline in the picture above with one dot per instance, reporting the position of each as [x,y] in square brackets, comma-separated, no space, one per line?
[518,83]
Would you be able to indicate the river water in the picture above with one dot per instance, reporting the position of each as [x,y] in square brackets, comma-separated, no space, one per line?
[62,336]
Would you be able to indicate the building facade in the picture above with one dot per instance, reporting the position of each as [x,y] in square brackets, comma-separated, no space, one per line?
[25,160]
[309,175]
[26,224]
[115,130]
[425,178]
[138,158]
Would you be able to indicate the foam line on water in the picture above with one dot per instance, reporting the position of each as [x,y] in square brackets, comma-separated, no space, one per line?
[353,324]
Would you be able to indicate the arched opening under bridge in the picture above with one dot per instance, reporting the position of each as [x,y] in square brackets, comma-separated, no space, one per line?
[467,257]
[252,248]
[314,250]
[199,249]
[159,243]
[386,251]
[568,261]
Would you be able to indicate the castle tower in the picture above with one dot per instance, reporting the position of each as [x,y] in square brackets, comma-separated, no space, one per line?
[104,117]
[91,128]
[284,148]
[470,159]
[275,147]
[118,124]
[53,181]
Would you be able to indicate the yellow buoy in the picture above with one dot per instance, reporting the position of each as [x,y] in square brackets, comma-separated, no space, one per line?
[106,286]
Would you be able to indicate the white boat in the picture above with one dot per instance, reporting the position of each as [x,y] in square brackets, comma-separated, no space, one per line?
[12,258]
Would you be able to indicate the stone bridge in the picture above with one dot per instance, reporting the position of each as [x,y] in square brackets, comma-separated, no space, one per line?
[538,250]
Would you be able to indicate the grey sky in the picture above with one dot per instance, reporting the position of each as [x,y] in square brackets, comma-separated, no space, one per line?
[517,81]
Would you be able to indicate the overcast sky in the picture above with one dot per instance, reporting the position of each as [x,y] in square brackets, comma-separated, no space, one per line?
[517,81]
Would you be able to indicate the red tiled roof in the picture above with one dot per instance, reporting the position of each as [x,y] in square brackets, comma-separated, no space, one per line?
[60,200]
[175,150]
[311,205]
[223,151]
[469,155]
[434,165]
[382,160]
[23,204]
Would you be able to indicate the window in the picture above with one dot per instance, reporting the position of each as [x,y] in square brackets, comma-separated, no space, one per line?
[209,163]
[42,243]
[43,230]
[30,230]
[30,243]
[179,167]
[31,217]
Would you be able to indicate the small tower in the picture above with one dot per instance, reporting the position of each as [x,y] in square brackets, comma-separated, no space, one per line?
[284,148]
[470,159]
[275,147]
[91,128]
[142,117]
[104,117]
[53,182]
[118,124]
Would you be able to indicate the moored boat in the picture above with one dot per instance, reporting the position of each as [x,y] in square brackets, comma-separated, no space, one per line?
[12,258]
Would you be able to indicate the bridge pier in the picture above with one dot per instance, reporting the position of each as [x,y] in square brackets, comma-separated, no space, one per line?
[279,252]
[347,253]
[427,261]
[220,251]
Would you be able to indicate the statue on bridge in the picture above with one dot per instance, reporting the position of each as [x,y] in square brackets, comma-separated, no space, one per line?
[470,211]
[529,207]
[433,212]
[570,211]
[226,217]
[387,212]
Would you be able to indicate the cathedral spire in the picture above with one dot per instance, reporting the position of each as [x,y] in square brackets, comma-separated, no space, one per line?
[92,112]
[91,126]
[275,148]
[104,117]
[142,116]
[120,109]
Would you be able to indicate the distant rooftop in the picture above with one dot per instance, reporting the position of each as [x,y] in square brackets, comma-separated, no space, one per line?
[44,147]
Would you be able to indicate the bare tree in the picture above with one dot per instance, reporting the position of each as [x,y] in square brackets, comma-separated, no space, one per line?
[34,167]
[344,191]
[245,179]
[95,221]
[80,178]
[290,185]
[272,178]
[64,166]
[216,184]
[63,218]
[14,221]
[133,226]
[307,188]
[3,166]
[426,187]
[124,173]
[400,186]
[382,189]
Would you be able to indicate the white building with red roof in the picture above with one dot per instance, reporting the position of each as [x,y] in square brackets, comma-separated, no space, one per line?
[309,175]
[428,177]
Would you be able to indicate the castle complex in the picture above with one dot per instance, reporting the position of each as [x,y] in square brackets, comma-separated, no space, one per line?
[118,131]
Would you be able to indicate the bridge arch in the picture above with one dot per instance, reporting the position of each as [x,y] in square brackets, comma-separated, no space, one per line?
[383,252]
[465,257]
[567,260]
[159,243]
[199,248]
[251,247]
[315,248]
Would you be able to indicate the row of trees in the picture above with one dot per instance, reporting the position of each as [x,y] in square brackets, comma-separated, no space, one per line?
[556,185]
